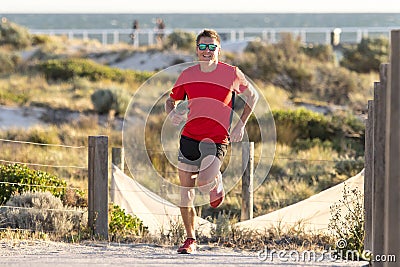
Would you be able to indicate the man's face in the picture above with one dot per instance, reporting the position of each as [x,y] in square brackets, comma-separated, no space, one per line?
[207,54]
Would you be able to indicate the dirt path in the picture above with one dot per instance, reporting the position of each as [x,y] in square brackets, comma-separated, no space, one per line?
[56,254]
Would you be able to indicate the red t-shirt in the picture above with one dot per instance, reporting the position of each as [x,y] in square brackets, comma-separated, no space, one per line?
[210,100]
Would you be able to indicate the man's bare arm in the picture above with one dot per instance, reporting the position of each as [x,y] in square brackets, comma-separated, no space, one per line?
[251,96]
[251,101]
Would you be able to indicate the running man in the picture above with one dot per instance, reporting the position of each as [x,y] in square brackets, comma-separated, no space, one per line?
[210,87]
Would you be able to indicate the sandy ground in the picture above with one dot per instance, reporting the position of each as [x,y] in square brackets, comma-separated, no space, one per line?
[16,117]
[45,253]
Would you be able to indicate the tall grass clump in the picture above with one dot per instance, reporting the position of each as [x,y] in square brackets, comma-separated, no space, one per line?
[8,61]
[41,212]
[14,35]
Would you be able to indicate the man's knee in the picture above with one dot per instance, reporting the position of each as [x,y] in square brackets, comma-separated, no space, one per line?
[187,197]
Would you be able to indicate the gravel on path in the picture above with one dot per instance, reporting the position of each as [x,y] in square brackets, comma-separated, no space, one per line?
[57,254]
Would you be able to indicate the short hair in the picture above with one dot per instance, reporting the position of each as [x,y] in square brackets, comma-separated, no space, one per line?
[208,33]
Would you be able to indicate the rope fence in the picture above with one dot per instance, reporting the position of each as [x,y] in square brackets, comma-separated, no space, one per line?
[105,171]
[43,186]
[41,165]
[29,208]
[41,144]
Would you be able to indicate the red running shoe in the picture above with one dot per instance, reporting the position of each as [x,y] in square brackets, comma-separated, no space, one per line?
[217,194]
[188,247]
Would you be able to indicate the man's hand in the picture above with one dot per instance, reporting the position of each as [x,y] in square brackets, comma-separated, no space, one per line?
[238,132]
[176,117]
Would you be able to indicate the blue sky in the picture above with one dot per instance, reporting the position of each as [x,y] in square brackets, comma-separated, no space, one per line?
[209,6]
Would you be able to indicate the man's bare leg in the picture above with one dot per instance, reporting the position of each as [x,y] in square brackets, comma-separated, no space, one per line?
[187,209]
[209,170]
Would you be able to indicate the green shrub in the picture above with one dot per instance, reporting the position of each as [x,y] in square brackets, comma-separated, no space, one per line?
[41,211]
[367,55]
[344,133]
[19,178]
[123,225]
[105,100]
[320,52]
[14,35]
[102,100]
[67,69]
[274,63]
[349,135]
[121,100]
[264,61]
[349,166]
[333,84]
[8,96]
[181,39]
[298,70]
[296,77]
[297,124]
[8,61]
[39,39]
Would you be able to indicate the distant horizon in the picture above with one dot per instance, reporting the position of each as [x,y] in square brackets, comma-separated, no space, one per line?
[200,20]
[188,7]
[194,13]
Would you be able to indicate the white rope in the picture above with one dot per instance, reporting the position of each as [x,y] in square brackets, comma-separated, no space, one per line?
[39,144]
[46,186]
[43,165]
[30,208]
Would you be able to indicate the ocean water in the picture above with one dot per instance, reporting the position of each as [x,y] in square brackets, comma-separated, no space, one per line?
[176,21]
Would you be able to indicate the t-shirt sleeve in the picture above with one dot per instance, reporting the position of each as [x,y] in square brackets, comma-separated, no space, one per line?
[243,82]
[178,91]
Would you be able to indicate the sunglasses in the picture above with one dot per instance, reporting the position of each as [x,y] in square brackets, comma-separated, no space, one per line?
[211,47]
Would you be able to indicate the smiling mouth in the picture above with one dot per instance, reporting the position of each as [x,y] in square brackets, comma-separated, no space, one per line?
[207,56]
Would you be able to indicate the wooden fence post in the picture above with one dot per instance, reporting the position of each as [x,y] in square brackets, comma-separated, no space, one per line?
[118,157]
[392,196]
[368,174]
[98,185]
[378,186]
[247,180]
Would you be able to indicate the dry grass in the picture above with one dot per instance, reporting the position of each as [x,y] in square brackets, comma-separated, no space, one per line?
[276,97]
[35,90]
[18,235]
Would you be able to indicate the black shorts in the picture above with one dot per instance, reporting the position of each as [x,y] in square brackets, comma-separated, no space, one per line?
[192,152]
